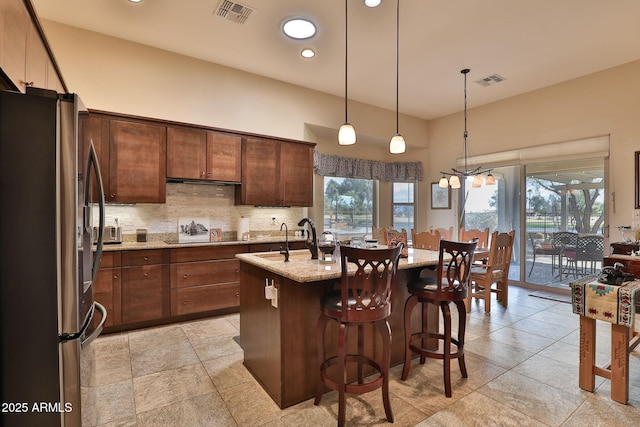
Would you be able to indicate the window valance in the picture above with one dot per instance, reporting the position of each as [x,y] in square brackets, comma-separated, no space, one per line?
[348,167]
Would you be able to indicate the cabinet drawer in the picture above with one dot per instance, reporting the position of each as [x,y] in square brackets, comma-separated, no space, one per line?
[189,274]
[143,257]
[208,253]
[204,298]
[110,259]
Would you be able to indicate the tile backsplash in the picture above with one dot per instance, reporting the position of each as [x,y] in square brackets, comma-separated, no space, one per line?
[215,202]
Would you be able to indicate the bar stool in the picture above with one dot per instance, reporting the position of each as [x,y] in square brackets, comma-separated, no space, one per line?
[364,297]
[450,285]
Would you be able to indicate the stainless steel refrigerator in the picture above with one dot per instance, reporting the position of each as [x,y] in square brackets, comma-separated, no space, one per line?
[49,184]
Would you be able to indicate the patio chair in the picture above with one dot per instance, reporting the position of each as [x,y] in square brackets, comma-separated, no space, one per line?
[588,249]
[564,241]
[543,249]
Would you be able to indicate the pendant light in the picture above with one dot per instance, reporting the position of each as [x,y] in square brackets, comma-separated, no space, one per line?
[477,173]
[397,144]
[346,133]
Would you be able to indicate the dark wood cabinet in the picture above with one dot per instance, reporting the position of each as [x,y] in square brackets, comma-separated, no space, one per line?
[224,157]
[145,286]
[276,173]
[25,58]
[14,41]
[137,162]
[132,157]
[107,288]
[623,248]
[201,155]
[205,279]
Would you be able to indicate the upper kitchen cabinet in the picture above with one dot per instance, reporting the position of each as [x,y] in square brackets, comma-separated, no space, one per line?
[14,41]
[137,162]
[25,57]
[203,155]
[276,173]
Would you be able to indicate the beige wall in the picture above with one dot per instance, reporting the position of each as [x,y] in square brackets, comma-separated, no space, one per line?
[604,103]
[115,75]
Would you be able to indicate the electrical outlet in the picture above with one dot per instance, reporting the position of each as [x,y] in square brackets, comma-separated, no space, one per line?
[636,214]
[274,299]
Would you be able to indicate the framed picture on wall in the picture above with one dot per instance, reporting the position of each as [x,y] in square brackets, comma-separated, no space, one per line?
[440,197]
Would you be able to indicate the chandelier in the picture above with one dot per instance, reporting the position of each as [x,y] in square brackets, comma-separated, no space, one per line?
[477,173]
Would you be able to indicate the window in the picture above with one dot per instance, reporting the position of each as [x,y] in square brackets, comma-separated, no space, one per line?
[348,206]
[402,197]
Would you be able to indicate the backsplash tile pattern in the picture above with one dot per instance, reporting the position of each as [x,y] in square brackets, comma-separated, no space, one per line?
[215,202]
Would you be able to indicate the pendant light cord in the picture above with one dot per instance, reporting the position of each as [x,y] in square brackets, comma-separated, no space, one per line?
[346,56]
[465,134]
[397,62]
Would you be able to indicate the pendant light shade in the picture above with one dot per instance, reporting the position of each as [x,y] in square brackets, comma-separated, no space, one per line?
[397,144]
[443,183]
[491,180]
[454,181]
[346,133]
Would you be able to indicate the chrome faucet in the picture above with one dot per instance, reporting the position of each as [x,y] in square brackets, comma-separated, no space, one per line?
[312,244]
[285,251]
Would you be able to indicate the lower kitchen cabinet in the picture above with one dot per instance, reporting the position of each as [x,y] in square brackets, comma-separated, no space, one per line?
[154,286]
[205,279]
[107,288]
[145,286]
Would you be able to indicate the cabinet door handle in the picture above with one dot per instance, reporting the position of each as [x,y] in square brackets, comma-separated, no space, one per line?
[113,195]
[146,258]
[202,173]
[146,274]
[115,276]
[185,302]
[185,276]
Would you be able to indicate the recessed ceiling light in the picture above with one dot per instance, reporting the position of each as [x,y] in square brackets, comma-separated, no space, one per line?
[307,53]
[372,3]
[299,28]
[135,1]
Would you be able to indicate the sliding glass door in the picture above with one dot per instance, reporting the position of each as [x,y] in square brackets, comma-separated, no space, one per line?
[564,197]
[542,200]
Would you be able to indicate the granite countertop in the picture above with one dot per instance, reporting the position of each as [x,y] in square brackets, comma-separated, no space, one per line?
[301,268]
[159,244]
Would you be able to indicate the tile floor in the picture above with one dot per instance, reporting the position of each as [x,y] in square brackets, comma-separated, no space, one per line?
[522,364]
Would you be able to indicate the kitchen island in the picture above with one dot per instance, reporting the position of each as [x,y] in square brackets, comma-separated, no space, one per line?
[278,335]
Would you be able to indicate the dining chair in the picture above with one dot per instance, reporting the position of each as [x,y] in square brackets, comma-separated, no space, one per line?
[450,285]
[495,269]
[445,233]
[426,240]
[474,233]
[365,297]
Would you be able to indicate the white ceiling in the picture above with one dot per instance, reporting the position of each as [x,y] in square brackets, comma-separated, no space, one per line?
[531,43]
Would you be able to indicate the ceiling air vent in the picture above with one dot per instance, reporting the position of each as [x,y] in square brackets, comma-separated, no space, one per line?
[233,11]
[491,80]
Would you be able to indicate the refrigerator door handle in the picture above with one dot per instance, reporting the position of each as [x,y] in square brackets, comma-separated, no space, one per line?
[98,329]
[93,162]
